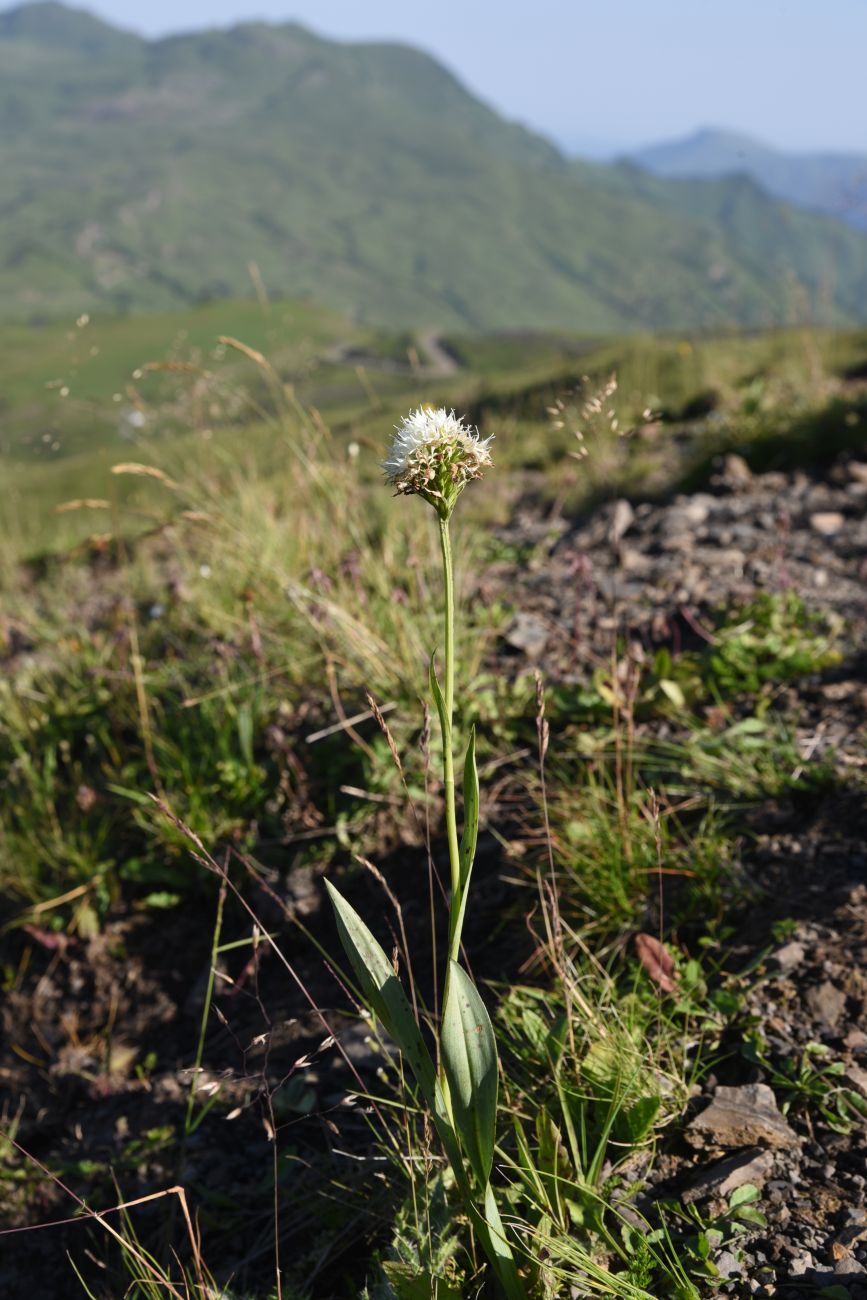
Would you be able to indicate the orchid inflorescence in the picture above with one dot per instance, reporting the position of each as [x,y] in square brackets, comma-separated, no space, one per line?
[434,455]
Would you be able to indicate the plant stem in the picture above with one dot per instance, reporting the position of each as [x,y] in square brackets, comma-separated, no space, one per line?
[206,1011]
[449,695]
[486,1221]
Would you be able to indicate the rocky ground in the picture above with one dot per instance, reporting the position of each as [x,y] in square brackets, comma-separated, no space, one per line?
[655,571]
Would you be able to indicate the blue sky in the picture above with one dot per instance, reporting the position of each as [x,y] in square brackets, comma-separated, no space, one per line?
[607,74]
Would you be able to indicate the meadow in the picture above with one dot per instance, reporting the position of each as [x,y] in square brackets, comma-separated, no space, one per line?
[216,631]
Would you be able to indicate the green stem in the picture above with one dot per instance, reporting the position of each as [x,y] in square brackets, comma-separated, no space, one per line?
[448,753]
[206,1011]
[486,1222]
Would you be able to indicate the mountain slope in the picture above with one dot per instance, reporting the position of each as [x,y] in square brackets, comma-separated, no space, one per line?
[143,174]
[832,183]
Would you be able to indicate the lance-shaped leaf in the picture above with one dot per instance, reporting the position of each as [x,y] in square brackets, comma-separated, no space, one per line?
[469,839]
[500,1250]
[469,1057]
[382,990]
[471,813]
[439,701]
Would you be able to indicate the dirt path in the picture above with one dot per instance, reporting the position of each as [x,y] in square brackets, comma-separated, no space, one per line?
[435,360]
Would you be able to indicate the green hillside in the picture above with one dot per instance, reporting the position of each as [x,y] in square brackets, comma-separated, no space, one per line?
[834,183]
[145,175]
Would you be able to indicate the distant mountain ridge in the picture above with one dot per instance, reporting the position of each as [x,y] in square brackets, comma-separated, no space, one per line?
[833,183]
[138,174]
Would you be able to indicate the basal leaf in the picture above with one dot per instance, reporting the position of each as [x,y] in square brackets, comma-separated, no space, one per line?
[382,990]
[469,1057]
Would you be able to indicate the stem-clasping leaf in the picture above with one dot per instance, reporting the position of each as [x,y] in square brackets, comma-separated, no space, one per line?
[469,1057]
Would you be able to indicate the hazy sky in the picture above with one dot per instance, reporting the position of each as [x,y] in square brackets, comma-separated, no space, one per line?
[605,74]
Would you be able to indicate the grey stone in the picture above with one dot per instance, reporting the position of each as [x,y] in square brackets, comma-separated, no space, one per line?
[826,1002]
[621,519]
[742,1117]
[856,1076]
[729,1264]
[634,561]
[849,1265]
[688,515]
[736,469]
[827,522]
[789,956]
[528,633]
[723,1178]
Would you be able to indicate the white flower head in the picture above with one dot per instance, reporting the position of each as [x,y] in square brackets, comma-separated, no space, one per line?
[435,455]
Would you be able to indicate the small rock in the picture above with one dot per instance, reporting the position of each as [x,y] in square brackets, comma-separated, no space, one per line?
[723,1178]
[826,1002]
[855,1040]
[858,471]
[842,1245]
[857,1077]
[731,558]
[633,561]
[789,956]
[689,514]
[736,469]
[742,1117]
[801,1264]
[849,1265]
[682,541]
[303,889]
[729,1264]
[827,522]
[621,519]
[528,633]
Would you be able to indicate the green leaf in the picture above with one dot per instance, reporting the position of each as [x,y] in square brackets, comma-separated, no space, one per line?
[446,1132]
[469,837]
[161,899]
[382,990]
[749,1214]
[743,1195]
[673,692]
[638,1119]
[501,1252]
[471,813]
[439,701]
[469,1057]
[408,1284]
